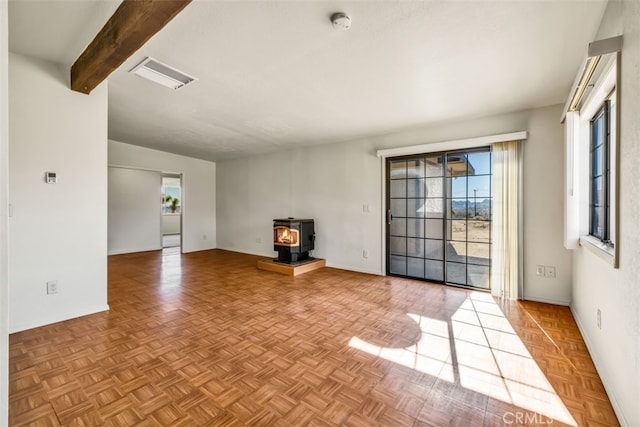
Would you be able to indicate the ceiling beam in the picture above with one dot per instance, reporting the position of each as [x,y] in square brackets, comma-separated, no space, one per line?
[132,24]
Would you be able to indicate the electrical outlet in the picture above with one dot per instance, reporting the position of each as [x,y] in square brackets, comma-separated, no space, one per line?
[258,239]
[550,271]
[204,237]
[365,254]
[52,287]
[366,208]
[599,319]
[539,270]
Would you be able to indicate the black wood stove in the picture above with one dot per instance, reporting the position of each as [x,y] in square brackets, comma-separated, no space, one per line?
[293,238]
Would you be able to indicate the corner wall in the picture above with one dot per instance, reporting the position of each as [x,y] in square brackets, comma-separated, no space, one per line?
[333,183]
[58,231]
[615,347]
[4,220]
[198,189]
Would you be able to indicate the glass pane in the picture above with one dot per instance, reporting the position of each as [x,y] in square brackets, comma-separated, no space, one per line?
[597,130]
[415,267]
[456,165]
[457,230]
[434,228]
[456,273]
[398,169]
[415,208]
[598,162]
[478,253]
[434,187]
[434,166]
[398,245]
[433,208]
[434,270]
[434,249]
[415,247]
[597,195]
[478,276]
[416,188]
[398,227]
[398,208]
[479,231]
[398,265]
[457,251]
[415,168]
[597,222]
[458,208]
[457,187]
[479,163]
[398,188]
[479,187]
[415,227]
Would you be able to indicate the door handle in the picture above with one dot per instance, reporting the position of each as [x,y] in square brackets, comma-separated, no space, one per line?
[389,216]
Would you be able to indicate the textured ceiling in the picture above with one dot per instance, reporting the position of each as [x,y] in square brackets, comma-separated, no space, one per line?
[275,75]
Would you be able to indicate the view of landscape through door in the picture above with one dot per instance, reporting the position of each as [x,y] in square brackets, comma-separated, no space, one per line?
[439,217]
[171,210]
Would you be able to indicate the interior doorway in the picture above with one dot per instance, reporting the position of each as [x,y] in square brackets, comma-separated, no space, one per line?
[171,208]
[439,213]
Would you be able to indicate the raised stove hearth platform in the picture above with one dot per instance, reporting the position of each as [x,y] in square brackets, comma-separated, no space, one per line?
[293,269]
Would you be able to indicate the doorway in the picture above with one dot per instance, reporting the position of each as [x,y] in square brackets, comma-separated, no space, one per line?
[171,208]
[439,208]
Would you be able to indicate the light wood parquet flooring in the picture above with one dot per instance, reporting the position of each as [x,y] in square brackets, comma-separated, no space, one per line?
[208,339]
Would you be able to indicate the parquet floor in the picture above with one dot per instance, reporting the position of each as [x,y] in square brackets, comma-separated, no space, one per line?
[208,339]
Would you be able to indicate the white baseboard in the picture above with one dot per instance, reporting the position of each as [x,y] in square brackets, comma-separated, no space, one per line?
[130,251]
[355,269]
[598,364]
[59,318]
[547,300]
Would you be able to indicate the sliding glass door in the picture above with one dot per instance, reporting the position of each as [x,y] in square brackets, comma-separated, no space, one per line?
[439,217]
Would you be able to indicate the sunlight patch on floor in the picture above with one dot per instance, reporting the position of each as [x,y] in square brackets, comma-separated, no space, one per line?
[478,346]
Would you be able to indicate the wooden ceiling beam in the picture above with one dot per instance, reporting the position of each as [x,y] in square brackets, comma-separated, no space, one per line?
[132,24]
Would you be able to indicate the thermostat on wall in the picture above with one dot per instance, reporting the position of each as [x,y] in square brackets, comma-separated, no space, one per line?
[50,177]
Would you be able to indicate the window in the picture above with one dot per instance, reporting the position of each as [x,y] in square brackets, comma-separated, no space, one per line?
[591,117]
[600,190]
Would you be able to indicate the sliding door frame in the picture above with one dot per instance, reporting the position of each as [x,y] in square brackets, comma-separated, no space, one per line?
[446,198]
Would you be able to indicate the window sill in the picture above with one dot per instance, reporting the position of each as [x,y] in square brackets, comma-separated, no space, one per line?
[602,250]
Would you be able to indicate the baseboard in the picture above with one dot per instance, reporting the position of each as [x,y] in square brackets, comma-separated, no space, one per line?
[596,361]
[547,300]
[355,269]
[64,316]
[131,251]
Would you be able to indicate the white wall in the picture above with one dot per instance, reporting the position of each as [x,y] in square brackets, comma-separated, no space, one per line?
[134,211]
[616,347]
[4,200]
[198,189]
[58,231]
[170,223]
[331,183]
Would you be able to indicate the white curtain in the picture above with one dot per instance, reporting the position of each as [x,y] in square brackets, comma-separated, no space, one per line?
[505,227]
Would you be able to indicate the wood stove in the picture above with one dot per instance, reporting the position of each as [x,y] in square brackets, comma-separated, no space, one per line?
[293,238]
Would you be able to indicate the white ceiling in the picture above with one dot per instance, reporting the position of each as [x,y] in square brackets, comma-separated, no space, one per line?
[275,74]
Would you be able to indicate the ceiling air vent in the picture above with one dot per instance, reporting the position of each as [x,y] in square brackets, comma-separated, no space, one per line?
[162,74]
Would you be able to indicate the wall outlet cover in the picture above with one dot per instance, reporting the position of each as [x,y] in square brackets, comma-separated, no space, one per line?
[52,287]
[550,271]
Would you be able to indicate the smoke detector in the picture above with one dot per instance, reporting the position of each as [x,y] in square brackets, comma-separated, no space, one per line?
[341,21]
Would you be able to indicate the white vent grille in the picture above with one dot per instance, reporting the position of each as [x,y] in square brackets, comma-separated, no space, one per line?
[162,74]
